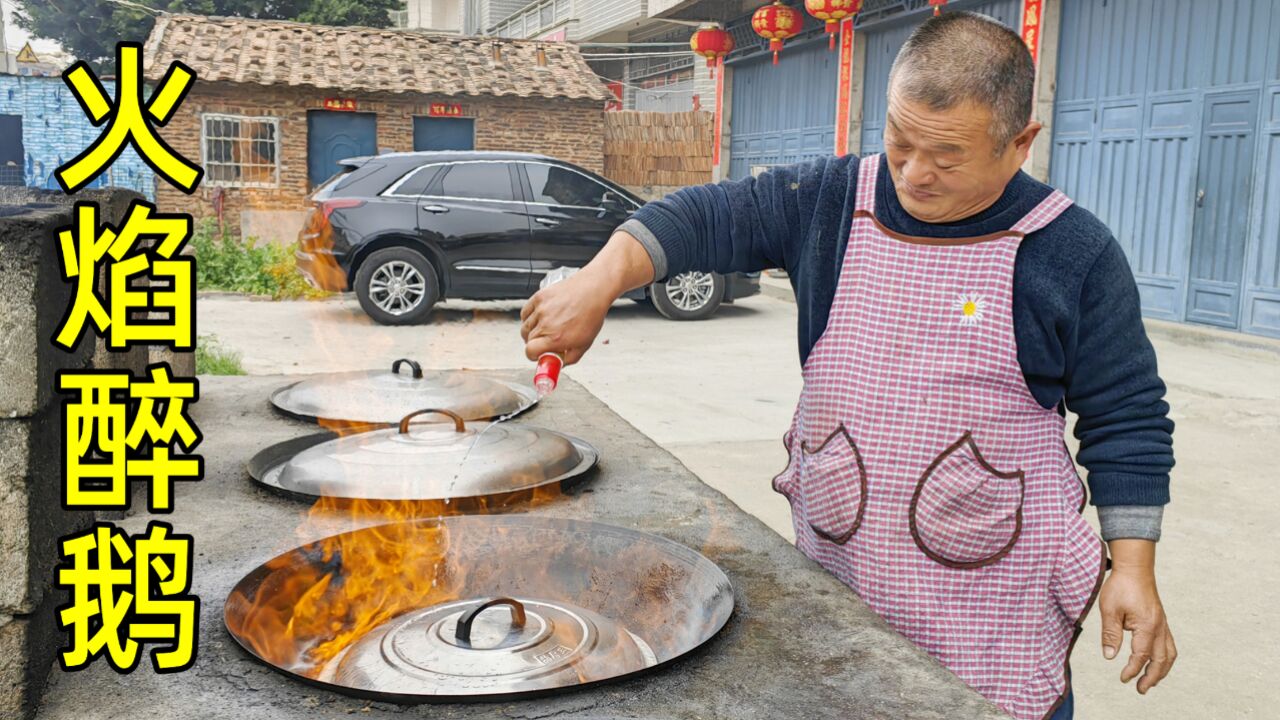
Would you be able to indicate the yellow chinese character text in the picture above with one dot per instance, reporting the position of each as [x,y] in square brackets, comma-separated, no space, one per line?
[125,590]
[94,431]
[131,320]
[160,425]
[128,122]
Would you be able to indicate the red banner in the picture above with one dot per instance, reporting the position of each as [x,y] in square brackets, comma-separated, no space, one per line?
[1032,16]
[844,88]
[343,104]
[444,110]
[616,104]
[719,121]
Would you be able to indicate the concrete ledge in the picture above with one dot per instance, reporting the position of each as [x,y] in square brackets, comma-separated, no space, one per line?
[801,643]
[1205,336]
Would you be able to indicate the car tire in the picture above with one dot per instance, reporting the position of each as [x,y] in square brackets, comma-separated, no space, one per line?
[688,296]
[397,286]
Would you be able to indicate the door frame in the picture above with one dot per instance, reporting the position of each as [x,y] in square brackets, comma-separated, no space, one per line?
[1205,95]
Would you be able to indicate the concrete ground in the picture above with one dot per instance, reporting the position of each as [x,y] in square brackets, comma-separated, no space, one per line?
[719,394]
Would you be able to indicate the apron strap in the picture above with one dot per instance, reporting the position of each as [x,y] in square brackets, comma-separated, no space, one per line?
[1041,215]
[868,169]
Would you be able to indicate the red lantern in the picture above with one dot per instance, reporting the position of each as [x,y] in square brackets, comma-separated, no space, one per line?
[712,43]
[832,12]
[937,6]
[776,23]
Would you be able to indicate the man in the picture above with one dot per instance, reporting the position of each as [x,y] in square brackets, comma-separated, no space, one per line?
[950,306]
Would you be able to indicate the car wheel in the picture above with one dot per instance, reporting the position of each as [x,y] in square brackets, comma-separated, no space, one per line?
[688,296]
[397,286]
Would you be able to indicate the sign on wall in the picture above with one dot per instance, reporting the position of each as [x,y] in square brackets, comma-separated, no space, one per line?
[444,110]
[342,104]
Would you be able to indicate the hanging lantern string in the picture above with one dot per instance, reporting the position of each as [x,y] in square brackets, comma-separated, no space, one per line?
[833,13]
[777,23]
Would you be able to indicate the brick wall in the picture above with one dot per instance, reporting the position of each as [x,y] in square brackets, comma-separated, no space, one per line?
[55,130]
[572,130]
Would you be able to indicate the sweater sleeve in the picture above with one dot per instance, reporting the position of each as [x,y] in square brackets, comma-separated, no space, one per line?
[738,225]
[1112,384]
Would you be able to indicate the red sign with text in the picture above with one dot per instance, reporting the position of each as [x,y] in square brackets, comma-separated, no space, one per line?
[343,104]
[1032,14]
[445,110]
[844,89]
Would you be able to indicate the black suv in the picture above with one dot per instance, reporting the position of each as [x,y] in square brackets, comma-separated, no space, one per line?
[404,230]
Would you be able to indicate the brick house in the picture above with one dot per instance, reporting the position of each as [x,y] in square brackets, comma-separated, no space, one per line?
[276,104]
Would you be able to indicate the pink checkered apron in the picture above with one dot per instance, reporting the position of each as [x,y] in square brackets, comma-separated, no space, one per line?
[924,474]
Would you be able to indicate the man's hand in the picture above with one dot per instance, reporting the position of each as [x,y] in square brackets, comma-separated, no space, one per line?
[1129,601]
[566,317]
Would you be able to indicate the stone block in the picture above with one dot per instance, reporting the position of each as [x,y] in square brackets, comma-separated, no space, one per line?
[31,287]
[33,295]
[31,515]
[28,649]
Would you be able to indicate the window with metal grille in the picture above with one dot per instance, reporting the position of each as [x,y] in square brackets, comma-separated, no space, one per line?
[241,151]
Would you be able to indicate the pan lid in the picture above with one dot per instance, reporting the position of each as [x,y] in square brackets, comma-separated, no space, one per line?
[427,461]
[383,397]
[491,645]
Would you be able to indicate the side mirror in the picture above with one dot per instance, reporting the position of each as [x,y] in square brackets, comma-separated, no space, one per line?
[612,202]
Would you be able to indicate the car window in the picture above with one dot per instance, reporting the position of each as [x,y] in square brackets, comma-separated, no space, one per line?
[555,185]
[415,181]
[483,181]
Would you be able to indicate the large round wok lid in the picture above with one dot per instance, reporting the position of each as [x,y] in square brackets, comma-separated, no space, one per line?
[424,461]
[478,608]
[382,397]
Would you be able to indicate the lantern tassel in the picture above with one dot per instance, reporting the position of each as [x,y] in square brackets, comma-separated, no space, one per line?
[775,57]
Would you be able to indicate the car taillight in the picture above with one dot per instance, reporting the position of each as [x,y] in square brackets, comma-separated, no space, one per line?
[328,206]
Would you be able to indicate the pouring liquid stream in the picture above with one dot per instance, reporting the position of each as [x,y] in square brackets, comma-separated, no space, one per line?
[545,379]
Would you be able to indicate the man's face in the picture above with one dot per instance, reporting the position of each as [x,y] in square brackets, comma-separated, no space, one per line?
[944,163]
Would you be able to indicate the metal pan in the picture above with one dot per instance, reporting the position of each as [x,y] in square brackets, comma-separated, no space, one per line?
[466,609]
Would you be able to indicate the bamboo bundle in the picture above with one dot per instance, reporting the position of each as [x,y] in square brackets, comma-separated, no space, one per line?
[652,148]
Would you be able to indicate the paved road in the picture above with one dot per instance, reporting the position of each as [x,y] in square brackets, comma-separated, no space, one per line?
[719,394]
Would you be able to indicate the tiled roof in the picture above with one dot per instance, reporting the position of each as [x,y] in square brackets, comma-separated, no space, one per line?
[273,52]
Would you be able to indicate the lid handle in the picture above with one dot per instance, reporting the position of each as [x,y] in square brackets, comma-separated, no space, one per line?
[459,424]
[417,369]
[463,632]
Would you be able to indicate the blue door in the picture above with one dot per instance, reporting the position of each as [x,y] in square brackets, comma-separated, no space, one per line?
[784,113]
[1262,280]
[1223,193]
[1163,128]
[444,133]
[334,136]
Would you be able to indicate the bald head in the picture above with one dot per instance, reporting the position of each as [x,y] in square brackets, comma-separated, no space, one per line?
[960,57]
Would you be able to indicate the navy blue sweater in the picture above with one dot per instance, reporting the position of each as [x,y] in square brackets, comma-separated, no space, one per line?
[1077,318]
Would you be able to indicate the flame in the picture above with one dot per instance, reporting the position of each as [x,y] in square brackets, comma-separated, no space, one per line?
[316,261]
[305,615]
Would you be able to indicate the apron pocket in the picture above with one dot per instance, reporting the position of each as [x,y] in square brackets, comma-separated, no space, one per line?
[833,484]
[784,482]
[965,513]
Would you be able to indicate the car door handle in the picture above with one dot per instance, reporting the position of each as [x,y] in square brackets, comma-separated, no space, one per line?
[435,209]
[546,221]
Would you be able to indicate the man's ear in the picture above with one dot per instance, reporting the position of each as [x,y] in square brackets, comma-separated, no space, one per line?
[1022,141]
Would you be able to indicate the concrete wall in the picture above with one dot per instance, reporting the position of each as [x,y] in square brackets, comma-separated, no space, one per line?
[33,297]
[571,130]
[55,130]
